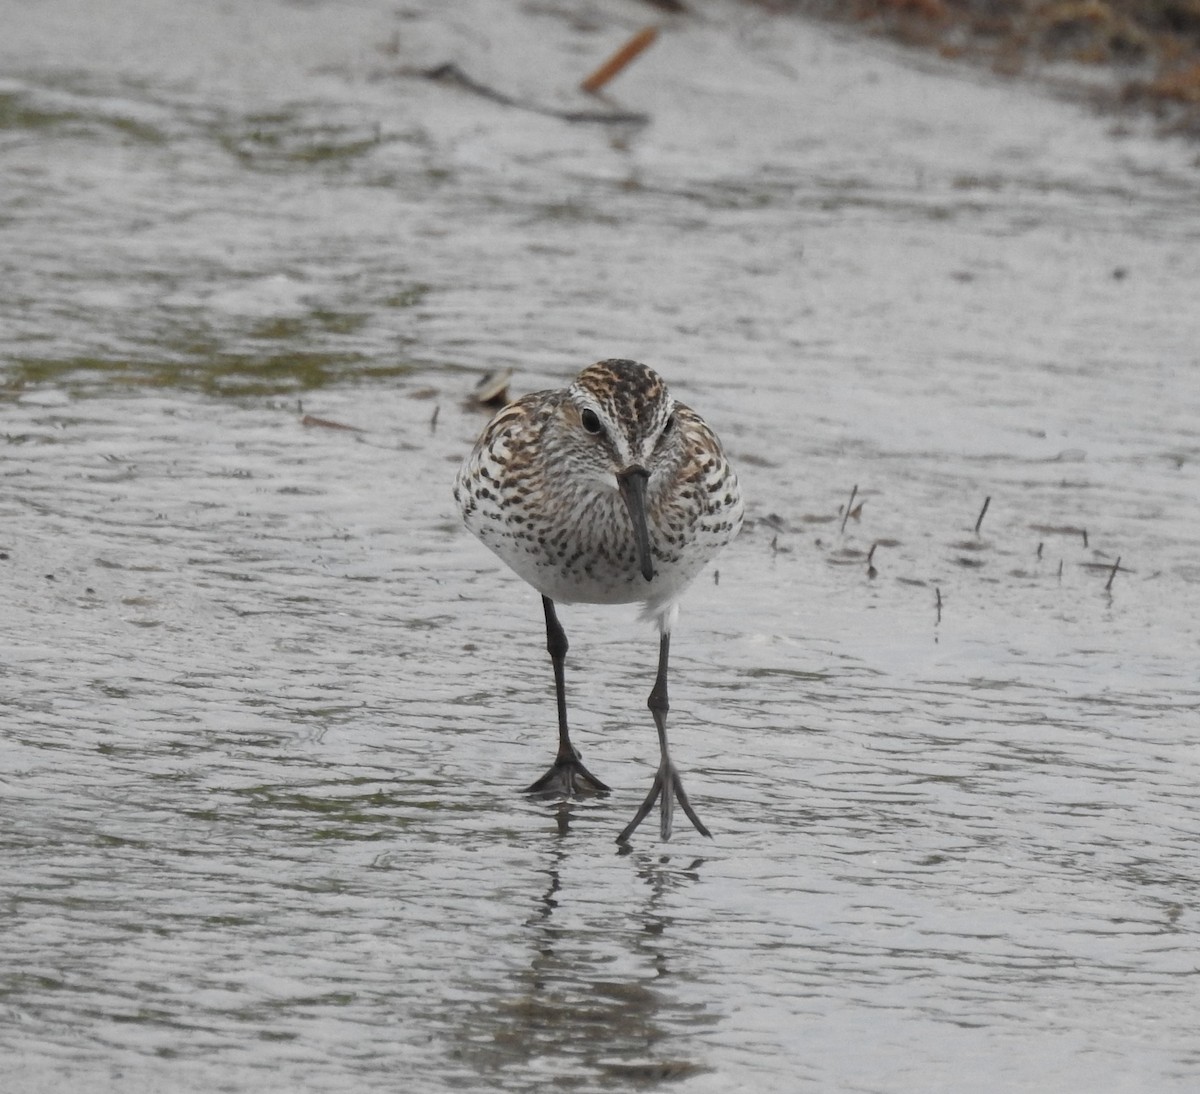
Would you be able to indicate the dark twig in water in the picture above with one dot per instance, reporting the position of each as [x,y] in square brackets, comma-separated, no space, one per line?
[325,423]
[450,73]
[1111,574]
[982,512]
[1039,550]
[1060,571]
[849,506]
[871,571]
[434,417]
[1085,542]
[938,589]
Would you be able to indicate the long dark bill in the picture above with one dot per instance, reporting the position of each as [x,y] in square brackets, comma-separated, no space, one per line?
[632,482]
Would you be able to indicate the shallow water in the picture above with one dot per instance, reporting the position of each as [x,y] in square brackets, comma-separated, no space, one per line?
[265,706]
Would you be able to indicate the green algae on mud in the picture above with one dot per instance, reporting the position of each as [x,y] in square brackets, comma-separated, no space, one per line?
[220,374]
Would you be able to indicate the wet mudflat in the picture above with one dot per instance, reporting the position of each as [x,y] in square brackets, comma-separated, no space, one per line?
[264,706]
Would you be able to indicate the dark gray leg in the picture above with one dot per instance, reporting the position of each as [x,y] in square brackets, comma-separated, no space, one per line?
[667,784]
[567,775]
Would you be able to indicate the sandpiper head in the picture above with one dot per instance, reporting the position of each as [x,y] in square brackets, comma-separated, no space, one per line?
[623,419]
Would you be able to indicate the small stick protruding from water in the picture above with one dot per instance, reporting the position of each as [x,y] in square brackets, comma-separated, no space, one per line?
[640,41]
[437,409]
[849,506]
[1060,571]
[871,571]
[1039,550]
[986,502]
[938,589]
[1111,574]
[1085,543]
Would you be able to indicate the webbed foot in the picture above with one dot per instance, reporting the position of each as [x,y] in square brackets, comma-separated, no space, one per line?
[567,778]
[667,787]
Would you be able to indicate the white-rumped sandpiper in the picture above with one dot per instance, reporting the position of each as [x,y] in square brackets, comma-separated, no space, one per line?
[605,492]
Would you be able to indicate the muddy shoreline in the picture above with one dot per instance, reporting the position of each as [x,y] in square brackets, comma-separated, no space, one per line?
[1129,58]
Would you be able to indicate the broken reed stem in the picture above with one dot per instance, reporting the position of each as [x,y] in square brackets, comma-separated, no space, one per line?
[871,571]
[1111,574]
[640,41]
[938,589]
[849,506]
[986,502]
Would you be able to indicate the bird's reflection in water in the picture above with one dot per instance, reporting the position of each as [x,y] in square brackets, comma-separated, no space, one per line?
[596,996]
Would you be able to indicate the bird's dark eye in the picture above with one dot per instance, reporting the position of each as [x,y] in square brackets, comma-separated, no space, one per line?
[591,421]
